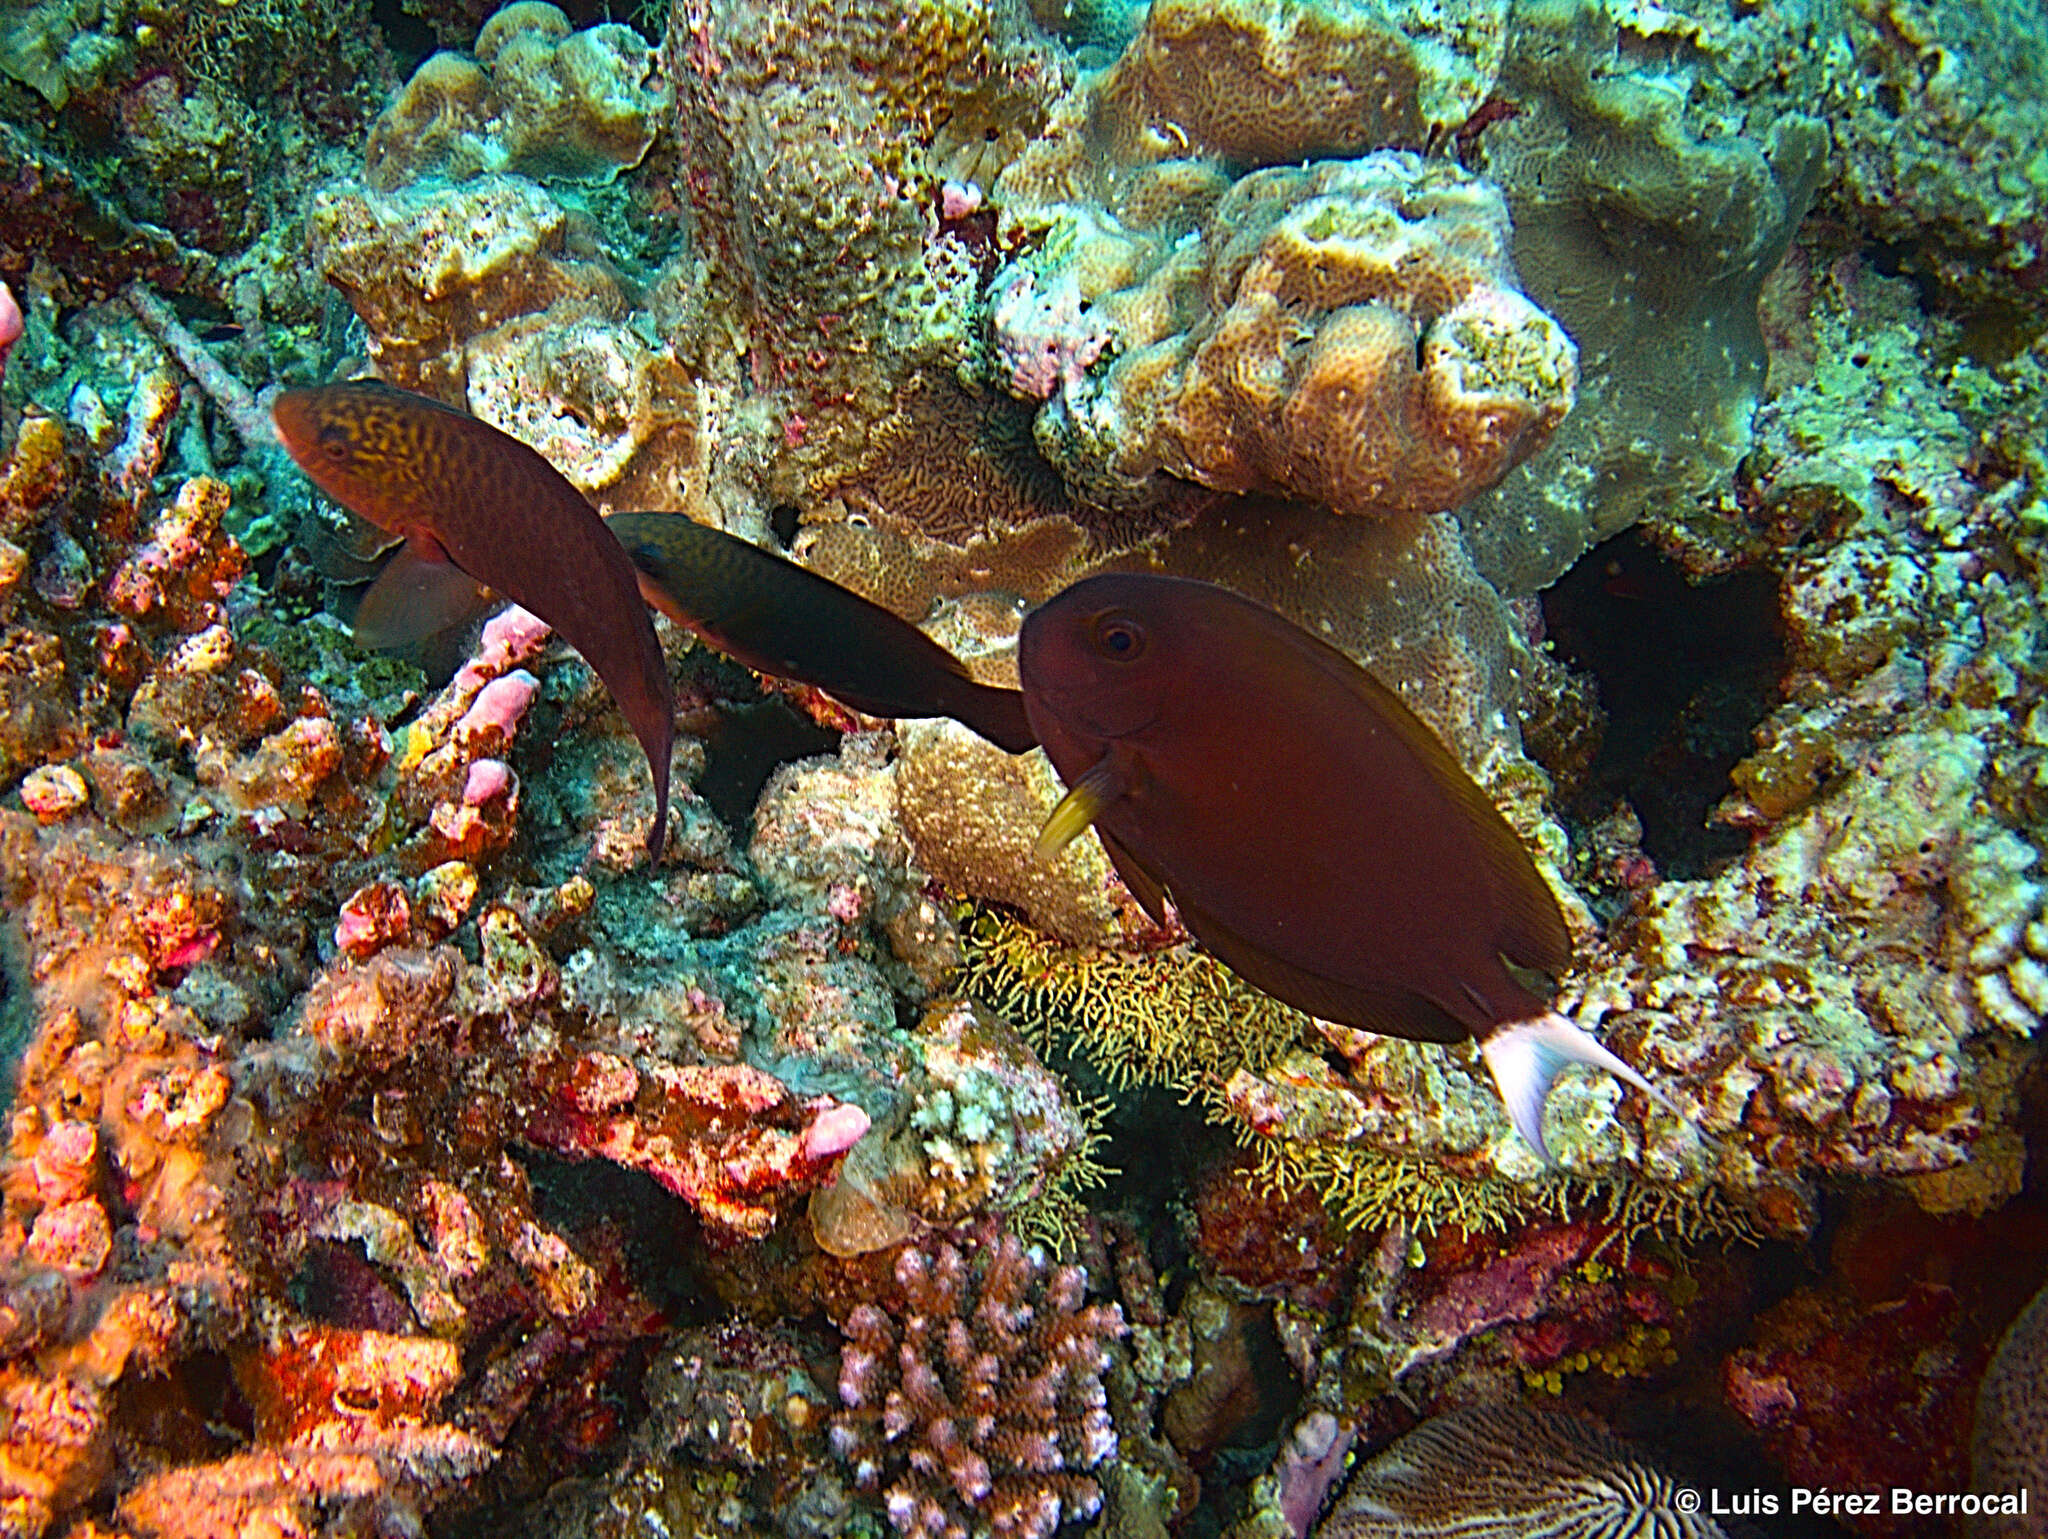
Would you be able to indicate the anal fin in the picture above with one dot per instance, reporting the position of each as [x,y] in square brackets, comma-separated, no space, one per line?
[415,597]
[1389,1012]
[1144,886]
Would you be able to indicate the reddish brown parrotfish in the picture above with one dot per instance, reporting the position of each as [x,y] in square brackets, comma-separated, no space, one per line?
[782,619]
[1314,835]
[475,503]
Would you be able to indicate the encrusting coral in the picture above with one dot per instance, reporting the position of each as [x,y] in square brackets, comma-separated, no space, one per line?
[1650,203]
[977,1404]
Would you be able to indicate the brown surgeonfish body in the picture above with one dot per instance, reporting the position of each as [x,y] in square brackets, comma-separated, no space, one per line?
[465,495]
[1312,832]
[782,619]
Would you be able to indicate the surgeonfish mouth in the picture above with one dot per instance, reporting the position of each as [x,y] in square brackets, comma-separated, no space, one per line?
[1311,832]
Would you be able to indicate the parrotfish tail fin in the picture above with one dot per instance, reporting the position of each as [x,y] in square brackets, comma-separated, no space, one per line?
[1524,1058]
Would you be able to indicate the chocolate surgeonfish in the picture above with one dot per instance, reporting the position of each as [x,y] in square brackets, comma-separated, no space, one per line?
[478,506]
[1313,834]
[782,619]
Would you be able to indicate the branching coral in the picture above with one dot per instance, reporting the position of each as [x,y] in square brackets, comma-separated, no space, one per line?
[978,1403]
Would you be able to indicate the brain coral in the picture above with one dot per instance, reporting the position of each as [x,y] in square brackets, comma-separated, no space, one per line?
[1348,333]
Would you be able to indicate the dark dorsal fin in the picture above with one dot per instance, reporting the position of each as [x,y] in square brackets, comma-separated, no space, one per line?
[1390,1012]
[995,713]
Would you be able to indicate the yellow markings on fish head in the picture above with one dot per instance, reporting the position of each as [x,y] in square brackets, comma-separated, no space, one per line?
[369,450]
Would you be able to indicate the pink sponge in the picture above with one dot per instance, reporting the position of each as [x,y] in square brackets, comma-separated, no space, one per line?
[500,704]
[10,323]
[488,780]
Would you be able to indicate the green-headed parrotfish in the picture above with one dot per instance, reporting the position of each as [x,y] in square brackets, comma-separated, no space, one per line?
[471,500]
[780,618]
[1314,835]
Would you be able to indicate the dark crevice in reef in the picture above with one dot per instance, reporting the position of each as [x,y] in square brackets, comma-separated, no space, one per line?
[748,743]
[407,35]
[1685,672]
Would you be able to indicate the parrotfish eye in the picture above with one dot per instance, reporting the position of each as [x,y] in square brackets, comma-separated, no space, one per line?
[1119,638]
[335,444]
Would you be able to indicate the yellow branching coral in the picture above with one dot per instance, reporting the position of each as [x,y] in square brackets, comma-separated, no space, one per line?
[1178,1017]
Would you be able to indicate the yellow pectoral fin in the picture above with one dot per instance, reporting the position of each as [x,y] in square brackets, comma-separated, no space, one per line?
[1081,806]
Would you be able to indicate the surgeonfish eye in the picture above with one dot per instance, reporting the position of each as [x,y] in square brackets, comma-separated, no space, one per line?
[1119,638]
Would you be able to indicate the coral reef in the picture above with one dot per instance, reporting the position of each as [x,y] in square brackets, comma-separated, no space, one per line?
[538,100]
[1650,204]
[1940,131]
[1255,83]
[982,1126]
[2006,1440]
[1869,1373]
[390,1150]
[980,1405]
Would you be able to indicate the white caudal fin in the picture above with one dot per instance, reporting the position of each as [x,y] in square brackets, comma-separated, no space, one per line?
[1524,1058]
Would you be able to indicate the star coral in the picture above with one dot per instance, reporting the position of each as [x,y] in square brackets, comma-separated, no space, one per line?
[977,1402]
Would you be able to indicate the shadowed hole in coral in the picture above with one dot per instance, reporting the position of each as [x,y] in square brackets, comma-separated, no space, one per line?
[745,744]
[336,1284]
[189,1414]
[655,1230]
[1685,672]
[406,33]
[785,518]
